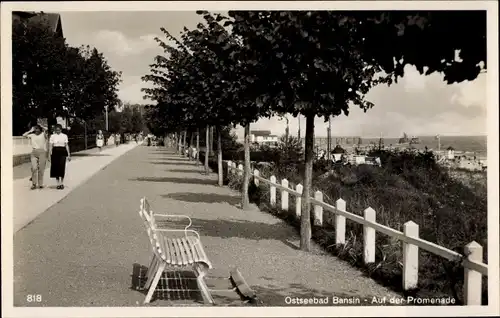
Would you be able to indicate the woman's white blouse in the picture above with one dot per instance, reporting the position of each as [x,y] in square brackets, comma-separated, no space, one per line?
[58,140]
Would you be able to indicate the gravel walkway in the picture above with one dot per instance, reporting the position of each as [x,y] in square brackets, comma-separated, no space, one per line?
[81,252]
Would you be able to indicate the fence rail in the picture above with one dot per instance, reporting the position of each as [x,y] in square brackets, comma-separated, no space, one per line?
[472,260]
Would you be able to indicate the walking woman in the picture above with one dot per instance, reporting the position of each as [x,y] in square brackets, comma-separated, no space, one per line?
[99,140]
[58,152]
[38,137]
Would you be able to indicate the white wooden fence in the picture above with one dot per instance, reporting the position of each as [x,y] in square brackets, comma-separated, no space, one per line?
[474,268]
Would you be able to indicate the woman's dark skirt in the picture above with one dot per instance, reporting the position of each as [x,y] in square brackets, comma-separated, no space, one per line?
[58,162]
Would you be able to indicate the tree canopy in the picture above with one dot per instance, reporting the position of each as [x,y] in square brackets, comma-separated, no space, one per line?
[51,79]
[311,63]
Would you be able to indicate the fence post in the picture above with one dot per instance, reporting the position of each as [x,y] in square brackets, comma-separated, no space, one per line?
[298,200]
[284,195]
[340,223]
[318,209]
[369,237]
[229,165]
[256,173]
[410,257]
[472,279]
[240,169]
[273,191]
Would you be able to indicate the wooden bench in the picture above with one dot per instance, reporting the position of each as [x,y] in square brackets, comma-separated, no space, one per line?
[179,249]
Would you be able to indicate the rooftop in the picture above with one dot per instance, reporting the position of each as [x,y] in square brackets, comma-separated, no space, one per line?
[260,132]
[52,20]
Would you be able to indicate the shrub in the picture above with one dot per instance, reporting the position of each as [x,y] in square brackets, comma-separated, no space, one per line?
[408,186]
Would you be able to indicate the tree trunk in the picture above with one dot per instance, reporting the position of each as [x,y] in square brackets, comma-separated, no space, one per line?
[198,146]
[298,132]
[219,157]
[191,139]
[180,142]
[178,139]
[184,143]
[207,148]
[329,140]
[212,140]
[305,219]
[286,137]
[245,201]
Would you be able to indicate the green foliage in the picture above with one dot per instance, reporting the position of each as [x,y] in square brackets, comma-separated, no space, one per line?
[129,120]
[319,62]
[394,39]
[408,186]
[203,80]
[311,63]
[290,149]
[52,79]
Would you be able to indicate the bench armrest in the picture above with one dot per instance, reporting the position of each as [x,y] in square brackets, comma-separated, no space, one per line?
[184,231]
[179,216]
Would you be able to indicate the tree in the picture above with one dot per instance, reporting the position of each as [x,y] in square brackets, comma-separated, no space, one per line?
[205,78]
[310,76]
[394,39]
[320,63]
[310,63]
[137,121]
[53,79]
[96,86]
[38,58]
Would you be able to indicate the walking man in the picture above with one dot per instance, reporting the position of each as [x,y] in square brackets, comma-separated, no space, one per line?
[38,138]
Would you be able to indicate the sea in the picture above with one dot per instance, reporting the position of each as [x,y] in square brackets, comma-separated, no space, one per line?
[469,144]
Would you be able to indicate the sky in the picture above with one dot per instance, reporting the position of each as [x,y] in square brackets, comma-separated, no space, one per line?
[418,105]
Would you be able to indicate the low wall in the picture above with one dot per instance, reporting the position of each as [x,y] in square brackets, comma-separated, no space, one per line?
[21,147]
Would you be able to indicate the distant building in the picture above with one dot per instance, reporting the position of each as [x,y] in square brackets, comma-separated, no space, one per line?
[262,137]
[450,153]
[52,20]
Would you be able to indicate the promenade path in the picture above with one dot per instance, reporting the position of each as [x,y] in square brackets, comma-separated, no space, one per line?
[28,204]
[81,251]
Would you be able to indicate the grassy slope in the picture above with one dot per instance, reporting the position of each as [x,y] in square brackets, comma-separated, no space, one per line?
[450,209]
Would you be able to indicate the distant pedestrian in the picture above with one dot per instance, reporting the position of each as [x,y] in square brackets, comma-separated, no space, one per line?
[99,140]
[58,153]
[38,138]
[117,141]
[193,153]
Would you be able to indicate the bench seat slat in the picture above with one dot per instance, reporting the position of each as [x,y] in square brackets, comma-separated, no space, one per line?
[162,247]
[180,253]
[178,257]
[167,250]
[201,252]
[192,242]
[188,250]
[171,250]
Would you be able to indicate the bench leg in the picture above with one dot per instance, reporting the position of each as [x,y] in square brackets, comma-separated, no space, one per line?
[151,271]
[200,279]
[152,288]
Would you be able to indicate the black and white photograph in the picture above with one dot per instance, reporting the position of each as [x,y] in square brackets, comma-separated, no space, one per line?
[250,158]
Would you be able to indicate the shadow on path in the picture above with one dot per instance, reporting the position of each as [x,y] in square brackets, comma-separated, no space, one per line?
[187,171]
[173,162]
[181,285]
[90,155]
[239,228]
[175,180]
[204,197]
